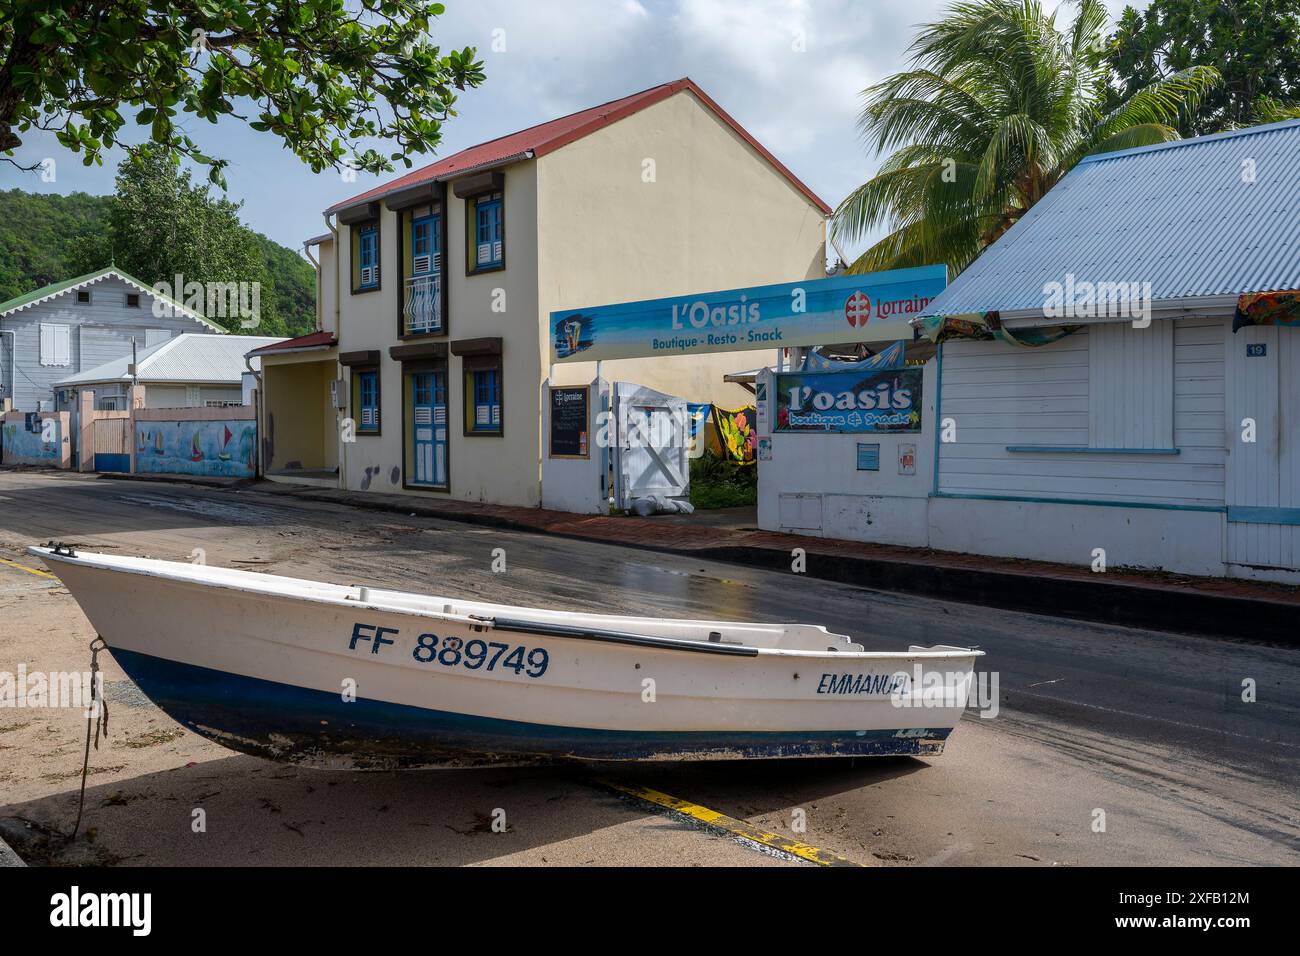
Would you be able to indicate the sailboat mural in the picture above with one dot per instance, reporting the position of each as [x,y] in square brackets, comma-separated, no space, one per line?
[226,448]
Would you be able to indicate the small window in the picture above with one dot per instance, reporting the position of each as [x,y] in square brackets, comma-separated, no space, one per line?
[487,250]
[367,252]
[133,300]
[83,297]
[56,344]
[365,400]
[483,399]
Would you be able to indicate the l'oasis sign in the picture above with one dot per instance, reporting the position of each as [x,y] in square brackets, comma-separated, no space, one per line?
[876,307]
[851,402]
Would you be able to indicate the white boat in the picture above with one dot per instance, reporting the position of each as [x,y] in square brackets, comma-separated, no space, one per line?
[353,676]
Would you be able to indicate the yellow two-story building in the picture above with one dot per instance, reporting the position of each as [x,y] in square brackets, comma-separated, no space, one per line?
[434,291]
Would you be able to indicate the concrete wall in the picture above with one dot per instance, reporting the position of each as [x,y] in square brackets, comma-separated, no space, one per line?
[1188,542]
[212,442]
[577,485]
[811,484]
[99,332]
[24,447]
[717,216]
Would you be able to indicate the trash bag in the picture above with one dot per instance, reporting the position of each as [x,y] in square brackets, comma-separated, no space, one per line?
[658,504]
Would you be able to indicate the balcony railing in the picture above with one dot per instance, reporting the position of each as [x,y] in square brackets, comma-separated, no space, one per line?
[422,304]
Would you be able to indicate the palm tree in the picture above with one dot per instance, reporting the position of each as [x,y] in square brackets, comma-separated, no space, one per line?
[998,105]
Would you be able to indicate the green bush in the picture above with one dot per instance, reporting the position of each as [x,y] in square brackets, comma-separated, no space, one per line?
[718,483]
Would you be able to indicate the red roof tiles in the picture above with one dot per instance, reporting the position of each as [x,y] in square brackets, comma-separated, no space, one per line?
[548,137]
[313,340]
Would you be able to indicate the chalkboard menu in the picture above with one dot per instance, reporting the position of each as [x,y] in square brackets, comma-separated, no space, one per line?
[570,422]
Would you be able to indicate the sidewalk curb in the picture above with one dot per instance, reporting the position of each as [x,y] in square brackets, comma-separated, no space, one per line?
[1103,602]
[201,480]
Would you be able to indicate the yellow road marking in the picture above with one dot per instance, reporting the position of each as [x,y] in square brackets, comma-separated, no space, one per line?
[731,826]
[23,567]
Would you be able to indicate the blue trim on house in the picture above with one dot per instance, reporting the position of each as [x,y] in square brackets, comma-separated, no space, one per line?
[1238,514]
[1082,450]
[277,720]
[1212,509]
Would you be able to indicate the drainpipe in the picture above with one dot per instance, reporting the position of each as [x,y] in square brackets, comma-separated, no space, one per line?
[258,416]
[338,330]
[338,253]
[13,363]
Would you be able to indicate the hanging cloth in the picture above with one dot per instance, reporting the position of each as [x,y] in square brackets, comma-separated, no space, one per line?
[988,327]
[1267,308]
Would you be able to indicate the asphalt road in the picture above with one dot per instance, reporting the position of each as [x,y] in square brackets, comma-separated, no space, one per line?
[1144,731]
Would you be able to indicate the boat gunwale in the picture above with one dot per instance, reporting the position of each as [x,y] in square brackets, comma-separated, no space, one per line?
[663,643]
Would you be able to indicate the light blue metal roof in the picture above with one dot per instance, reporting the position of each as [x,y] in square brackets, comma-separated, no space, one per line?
[1179,215]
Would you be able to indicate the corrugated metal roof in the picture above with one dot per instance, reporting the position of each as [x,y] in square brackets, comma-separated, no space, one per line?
[550,136]
[1180,215]
[183,359]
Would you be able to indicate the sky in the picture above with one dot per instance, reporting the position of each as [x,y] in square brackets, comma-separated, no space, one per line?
[789,71]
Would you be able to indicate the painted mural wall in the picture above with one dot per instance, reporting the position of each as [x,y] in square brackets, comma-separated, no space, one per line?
[222,448]
[35,439]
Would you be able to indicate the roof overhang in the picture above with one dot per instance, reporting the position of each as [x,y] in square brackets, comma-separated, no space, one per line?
[311,342]
[1209,305]
[398,197]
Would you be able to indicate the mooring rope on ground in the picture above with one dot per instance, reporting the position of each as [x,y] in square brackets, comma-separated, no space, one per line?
[98,718]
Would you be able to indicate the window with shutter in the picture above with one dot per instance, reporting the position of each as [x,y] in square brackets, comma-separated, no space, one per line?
[1131,386]
[487,236]
[483,396]
[365,399]
[365,252]
[56,345]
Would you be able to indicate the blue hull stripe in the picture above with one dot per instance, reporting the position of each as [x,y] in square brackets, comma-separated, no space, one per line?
[276,720]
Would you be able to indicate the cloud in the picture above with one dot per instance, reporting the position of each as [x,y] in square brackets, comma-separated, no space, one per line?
[790,71]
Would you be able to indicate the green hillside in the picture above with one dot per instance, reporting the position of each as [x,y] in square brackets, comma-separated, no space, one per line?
[44,238]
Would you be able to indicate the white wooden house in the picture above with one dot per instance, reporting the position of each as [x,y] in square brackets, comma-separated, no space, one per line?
[1118,383]
[76,325]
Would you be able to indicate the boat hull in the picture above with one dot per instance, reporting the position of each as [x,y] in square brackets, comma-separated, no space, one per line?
[292,671]
[283,722]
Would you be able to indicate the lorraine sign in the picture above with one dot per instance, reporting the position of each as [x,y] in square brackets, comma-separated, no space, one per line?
[868,308]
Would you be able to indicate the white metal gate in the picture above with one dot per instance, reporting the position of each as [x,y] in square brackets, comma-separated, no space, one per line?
[1263,476]
[653,448]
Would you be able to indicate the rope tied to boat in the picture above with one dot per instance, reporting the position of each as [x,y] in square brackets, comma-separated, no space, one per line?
[96,718]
